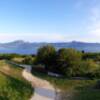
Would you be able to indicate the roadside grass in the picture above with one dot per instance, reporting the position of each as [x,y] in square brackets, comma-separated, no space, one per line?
[12,85]
[72,89]
[18,59]
[87,94]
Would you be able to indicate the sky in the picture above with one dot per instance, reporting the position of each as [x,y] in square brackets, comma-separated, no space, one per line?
[50,20]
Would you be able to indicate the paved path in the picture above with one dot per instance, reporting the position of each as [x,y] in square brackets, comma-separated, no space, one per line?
[43,89]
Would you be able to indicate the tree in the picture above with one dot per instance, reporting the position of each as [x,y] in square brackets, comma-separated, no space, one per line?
[68,61]
[46,55]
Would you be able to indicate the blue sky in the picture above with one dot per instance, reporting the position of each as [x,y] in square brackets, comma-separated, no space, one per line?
[50,20]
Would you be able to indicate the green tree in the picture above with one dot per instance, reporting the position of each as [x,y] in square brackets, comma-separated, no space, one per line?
[68,61]
[46,55]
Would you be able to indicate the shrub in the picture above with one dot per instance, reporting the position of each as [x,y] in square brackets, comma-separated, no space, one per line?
[28,60]
[68,61]
[88,68]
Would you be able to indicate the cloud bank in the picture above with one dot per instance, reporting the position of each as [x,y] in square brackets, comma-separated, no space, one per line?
[33,37]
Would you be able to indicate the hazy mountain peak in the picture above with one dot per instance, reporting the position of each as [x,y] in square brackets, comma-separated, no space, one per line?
[17,41]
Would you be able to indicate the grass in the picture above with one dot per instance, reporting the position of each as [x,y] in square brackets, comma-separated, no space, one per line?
[73,89]
[12,85]
[18,59]
[87,95]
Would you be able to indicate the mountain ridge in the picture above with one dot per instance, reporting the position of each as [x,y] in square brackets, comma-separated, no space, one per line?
[23,47]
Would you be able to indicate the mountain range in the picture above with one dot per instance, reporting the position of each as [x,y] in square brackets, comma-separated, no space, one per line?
[22,47]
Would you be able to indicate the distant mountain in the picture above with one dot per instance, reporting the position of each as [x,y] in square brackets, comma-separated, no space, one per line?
[22,47]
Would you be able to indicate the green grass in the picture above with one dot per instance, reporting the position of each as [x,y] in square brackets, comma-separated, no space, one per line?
[87,95]
[12,85]
[73,89]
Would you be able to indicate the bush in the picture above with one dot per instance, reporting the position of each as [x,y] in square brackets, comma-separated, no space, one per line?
[28,60]
[88,68]
[68,61]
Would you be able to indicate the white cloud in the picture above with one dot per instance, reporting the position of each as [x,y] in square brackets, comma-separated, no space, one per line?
[94,25]
[37,37]
[40,37]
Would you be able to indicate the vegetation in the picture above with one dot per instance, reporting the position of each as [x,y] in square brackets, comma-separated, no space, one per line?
[68,62]
[78,68]
[12,85]
[10,56]
[28,60]
[93,56]
[46,55]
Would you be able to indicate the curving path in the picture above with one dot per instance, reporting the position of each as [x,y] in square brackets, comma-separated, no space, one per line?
[43,89]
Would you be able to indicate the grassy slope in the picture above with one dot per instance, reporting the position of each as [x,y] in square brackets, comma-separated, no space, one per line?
[12,84]
[74,89]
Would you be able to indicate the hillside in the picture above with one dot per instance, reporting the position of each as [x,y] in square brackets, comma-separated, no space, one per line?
[22,47]
[12,85]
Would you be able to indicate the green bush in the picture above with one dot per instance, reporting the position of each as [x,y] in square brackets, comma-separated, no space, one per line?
[28,60]
[68,61]
[88,68]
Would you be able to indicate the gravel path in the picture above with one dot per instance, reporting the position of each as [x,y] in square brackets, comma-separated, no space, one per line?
[43,89]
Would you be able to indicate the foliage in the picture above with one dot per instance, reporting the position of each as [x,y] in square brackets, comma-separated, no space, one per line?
[68,61]
[46,56]
[93,56]
[9,56]
[88,68]
[28,60]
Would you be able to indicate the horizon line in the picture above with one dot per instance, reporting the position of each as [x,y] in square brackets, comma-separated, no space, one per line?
[48,42]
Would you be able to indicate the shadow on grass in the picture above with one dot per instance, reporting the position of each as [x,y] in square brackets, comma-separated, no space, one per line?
[87,95]
[86,92]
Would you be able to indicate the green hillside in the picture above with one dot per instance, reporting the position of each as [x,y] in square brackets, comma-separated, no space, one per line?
[12,84]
